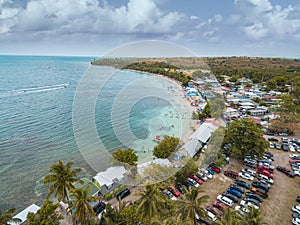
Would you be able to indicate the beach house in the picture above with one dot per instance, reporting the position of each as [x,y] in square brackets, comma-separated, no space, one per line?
[110,179]
[23,214]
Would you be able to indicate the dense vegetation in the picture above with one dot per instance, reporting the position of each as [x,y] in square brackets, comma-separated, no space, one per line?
[161,68]
[166,147]
[124,157]
[245,138]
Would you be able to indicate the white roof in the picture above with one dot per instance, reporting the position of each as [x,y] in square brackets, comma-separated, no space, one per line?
[202,134]
[23,215]
[108,176]
[247,104]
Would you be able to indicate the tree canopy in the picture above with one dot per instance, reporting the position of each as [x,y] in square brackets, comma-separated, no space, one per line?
[127,157]
[166,147]
[245,138]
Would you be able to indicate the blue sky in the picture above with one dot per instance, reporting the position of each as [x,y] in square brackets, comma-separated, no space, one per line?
[93,27]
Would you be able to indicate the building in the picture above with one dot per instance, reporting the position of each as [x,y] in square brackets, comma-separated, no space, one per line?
[199,138]
[23,215]
[110,179]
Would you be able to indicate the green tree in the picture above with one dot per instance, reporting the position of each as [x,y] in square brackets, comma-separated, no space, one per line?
[7,216]
[149,202]
[45,215]
[127,157]
[189,167]
[190,204]
[254,217]
[61,177]
[230,217]
[166,147]
[216,106]
[245,138]
[79,203]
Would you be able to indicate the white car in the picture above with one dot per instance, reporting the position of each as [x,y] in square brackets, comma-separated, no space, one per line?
[297,172]
[242,210]
[193,182]
[211,216]
[296,208]
[296,221]
[292,149]
[292,156]
[225,200]
[246,176]
[249,171]
[271,145]
[244,203]
[202,176]
[266,179]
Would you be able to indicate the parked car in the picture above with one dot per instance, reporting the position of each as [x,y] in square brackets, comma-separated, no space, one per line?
[193,182]
[265,173]
[242,184]
[122,194]
[230,196]
[259,191]
[249,171]
[196,178]
[285,147]
[298,198]
[252,165]
[260,185]
[265,168]
[99,207]
[211,216]
[202,176]
[296,208]
[294,156]
[225,200]
[252,200]
[255,196]
[265,178]
[174,191]
[169,194]
[231,174]
[277,146]
[215,169]
[179,187]
[296,221]
[210,171]
[246,176]
[249,204]
[271,145]
[234,192]
[238,188]
[219,205]
[242,210]
[214,210]
[272,139]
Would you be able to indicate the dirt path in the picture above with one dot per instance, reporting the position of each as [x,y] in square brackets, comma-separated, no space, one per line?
[282,195]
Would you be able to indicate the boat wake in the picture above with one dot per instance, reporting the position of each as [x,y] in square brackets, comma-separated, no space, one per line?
[33,90]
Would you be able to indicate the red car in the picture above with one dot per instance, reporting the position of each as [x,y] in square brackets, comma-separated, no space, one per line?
[219,205]
[266,173]
[216,169]
[266,168]
[174,191]
[294,160]
[196,178]
[231,174]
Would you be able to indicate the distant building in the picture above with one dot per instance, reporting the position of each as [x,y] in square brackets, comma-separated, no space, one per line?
[110,179]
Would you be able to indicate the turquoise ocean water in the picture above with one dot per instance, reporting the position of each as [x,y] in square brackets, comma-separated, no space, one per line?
[36,98]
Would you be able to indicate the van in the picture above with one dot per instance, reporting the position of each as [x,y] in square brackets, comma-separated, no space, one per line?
[211,216]
[225,200]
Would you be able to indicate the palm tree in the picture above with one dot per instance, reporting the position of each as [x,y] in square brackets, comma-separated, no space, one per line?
[231,217]
[149,201]
[171,220]
[62,178]
[254,217]
[190,204]
[7,216]
[79,202]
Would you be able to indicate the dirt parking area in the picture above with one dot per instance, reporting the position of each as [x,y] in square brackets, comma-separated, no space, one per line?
[282,195]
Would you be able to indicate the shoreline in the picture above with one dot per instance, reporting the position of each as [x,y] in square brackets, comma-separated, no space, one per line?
[187,131]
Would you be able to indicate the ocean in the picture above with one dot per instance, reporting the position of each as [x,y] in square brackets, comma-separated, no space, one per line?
[55,108]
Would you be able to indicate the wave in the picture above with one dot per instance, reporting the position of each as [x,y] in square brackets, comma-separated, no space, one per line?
[33,90]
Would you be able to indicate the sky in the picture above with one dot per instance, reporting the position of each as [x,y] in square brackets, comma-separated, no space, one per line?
[268,28]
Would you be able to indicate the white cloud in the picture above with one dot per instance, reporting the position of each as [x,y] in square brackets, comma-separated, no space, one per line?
[260,19]
[65,17]
[194,17]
